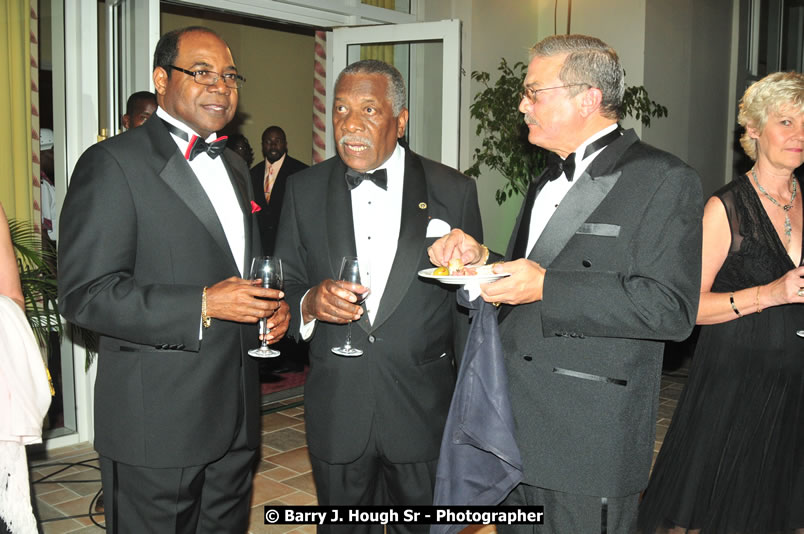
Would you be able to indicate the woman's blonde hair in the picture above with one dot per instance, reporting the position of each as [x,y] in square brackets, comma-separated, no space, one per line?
[775,93]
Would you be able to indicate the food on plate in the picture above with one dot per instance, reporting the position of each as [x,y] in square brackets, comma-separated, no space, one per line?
[456,268]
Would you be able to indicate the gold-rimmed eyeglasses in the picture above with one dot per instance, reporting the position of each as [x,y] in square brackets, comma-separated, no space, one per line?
[207,77]
[530,93]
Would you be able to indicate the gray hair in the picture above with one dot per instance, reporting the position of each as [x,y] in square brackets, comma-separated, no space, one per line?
[780,92]
[396,84]
[589,62]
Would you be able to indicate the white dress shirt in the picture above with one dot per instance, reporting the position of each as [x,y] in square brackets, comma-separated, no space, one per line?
[377,217]
[551,195]
[212,176]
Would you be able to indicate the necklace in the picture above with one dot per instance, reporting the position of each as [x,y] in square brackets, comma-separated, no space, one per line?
[788,228]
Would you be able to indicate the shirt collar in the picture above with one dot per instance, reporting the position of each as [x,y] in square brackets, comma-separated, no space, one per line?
[394,161]
[164,115]
[582,147]
[278,163]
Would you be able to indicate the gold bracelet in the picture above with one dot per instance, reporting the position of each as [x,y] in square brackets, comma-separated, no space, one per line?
[759,310]
[205,319]
[733,306]
[486,254]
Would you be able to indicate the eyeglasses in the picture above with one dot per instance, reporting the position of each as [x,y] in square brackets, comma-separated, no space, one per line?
[531,94]
[207,77]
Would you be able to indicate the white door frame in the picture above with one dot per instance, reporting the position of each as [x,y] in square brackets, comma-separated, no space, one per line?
[75,124]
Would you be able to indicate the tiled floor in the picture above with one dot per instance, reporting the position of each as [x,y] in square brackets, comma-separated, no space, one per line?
[284,475]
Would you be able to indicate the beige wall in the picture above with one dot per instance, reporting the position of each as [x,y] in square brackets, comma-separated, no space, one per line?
[687,65]
[278,67]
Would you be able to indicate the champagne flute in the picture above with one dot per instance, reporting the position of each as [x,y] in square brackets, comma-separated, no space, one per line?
[350,272]
[266,271]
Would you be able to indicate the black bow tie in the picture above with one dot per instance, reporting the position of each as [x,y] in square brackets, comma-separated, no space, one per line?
[556,165]
[213,149]
[355,178]
[198,145]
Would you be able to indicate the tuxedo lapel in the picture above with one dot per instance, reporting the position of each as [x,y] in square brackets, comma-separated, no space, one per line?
[582,199]
[340,223]
[178,175]
[518,244]
[410,246]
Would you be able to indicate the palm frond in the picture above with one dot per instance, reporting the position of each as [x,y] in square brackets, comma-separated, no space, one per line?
[37,268]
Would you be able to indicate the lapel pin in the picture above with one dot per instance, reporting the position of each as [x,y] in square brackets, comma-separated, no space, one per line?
[422,205]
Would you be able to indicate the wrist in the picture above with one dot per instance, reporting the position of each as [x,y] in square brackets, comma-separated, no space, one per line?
[756,301]
[306,314]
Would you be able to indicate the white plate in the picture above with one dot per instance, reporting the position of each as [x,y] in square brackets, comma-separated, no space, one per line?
[481,278]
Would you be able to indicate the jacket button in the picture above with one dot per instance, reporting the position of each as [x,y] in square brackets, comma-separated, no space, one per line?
[371,339]
[586,263]
[528,358]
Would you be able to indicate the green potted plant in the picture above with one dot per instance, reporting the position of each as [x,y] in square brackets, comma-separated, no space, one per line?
[38,278]
[37,268]
[504,135]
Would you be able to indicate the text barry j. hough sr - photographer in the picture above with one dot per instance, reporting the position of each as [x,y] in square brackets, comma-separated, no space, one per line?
[411,515]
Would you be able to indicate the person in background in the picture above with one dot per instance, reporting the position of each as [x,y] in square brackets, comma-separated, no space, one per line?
[47,185]
[157,235]
[270,176]
[24,394]
[139,108]
[374,422]
[603,269]
[733,458]
[239,143]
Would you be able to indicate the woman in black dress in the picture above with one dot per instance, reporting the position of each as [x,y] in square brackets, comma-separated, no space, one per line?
[733,457]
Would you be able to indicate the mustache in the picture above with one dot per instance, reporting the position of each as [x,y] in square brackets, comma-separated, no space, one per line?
[529,120]
[356,139]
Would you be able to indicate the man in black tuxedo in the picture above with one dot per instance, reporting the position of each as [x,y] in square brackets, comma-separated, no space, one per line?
[269,177]
[374,422]
[157,235]
[604,264]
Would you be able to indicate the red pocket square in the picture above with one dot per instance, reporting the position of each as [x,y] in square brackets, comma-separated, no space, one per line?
[255,207]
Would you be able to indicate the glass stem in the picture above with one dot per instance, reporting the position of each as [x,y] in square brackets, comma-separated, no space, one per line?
[264,330]
[349,335]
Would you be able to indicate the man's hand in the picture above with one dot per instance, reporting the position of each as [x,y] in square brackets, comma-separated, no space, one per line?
[455,244]
[333,302]
[235,299]
[525,285]
[278,323]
